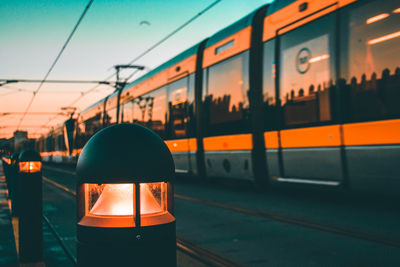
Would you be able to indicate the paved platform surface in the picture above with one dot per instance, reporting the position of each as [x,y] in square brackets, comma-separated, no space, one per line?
[53,254]
[8,251]
[290,226]
[59,210]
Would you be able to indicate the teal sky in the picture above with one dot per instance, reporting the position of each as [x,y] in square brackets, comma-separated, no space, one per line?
[33,32]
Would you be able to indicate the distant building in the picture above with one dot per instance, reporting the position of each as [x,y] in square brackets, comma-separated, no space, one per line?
[20,138]
[4,145]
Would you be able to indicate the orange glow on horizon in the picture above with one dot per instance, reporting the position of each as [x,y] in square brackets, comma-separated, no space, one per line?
[384,38]
[118,200]
[397,10]
[377,18]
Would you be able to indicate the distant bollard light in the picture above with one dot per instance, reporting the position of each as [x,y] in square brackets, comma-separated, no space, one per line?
[6,164]
[30,166]
[125,199]
[29,199]
[12,183]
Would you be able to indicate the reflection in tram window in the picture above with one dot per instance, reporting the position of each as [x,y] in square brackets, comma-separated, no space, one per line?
[110,117]
[178,108]
[126,112]
[226,100]
[269,95]
[371,67]
[87,129]
[153,107]
[306,73]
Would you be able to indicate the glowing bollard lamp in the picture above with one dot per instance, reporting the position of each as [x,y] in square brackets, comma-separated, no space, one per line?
[6,160]
[29,199]
[12,183]
[125,199]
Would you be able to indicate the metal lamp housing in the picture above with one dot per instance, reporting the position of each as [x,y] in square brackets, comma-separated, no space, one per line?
[125,198]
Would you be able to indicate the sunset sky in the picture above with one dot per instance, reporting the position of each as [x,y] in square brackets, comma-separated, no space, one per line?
[111,33]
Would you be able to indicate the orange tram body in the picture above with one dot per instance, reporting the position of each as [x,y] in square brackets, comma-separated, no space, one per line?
[296,91]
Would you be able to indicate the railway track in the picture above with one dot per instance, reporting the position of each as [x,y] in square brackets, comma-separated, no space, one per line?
[203,255]
[285,219]
[295,221]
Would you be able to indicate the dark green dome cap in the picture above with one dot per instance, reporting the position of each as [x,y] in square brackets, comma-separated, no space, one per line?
[125,153]
[29,155]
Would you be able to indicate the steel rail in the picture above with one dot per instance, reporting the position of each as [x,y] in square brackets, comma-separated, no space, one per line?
[207,257]
[203,255]
[60,241]
[294,221]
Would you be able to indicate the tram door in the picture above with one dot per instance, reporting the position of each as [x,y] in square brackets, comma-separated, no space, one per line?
[180,104]
[310,142]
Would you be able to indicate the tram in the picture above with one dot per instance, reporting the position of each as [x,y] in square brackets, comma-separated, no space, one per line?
[295,92]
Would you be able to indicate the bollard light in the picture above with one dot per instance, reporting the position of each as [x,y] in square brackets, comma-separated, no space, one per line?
[12,182]
[30,166]
[125,199]
[29,202]
[108,205]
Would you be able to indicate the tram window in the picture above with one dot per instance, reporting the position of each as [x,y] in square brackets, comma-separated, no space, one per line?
[371,60]
[110,117]
[80,139]
[178,108]
[87,129]
[306,73]
[154,106]
[60,142]
[226,100]
[139,110]
[126,112]
[269,95]
[49,143]
[191,124]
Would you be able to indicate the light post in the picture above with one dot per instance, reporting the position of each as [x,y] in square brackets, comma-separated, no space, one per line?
[125,199]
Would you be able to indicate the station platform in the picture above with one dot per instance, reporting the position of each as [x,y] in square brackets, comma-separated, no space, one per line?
[54,255]
[8,250]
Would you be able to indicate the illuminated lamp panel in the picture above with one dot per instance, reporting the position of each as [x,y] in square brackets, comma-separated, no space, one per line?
[119,199]
[377,18]
[30,166]
[228,47]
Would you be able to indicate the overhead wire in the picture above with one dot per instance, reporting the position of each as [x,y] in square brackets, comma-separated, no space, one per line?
[55,61]
[165,38]
[171,34]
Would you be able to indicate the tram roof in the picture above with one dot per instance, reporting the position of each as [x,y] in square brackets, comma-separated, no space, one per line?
[101,101]
[232,29]
[278,5]
[185,54]
[113,94]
